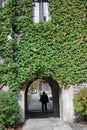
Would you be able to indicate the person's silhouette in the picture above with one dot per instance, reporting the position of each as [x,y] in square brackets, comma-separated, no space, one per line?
[44,100]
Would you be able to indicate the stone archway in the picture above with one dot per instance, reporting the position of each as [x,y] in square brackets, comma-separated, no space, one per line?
[55,93]
[62,100]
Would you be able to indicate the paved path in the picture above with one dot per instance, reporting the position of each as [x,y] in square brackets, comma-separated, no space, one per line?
[35,104]
[46,121]
[46,124]
[51,124]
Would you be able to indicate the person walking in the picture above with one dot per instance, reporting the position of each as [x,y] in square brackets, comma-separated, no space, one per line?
[44,101]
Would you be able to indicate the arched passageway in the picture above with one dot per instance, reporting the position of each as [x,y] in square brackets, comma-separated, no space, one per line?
[55,95]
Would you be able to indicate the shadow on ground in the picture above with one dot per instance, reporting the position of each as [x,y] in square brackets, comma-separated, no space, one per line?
[37,115]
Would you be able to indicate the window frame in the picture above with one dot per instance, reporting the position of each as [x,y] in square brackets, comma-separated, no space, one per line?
[41,10]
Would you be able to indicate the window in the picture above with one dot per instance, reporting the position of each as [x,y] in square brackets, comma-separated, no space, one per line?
[41,11]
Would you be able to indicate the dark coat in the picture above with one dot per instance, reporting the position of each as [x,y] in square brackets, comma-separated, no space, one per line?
[44,98]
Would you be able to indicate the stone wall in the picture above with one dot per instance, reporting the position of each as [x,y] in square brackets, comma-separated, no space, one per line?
[67,104]
[77,87]
[1,60]
[21,102]
[65,101]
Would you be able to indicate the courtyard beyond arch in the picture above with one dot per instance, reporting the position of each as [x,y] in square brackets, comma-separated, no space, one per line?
[55,96]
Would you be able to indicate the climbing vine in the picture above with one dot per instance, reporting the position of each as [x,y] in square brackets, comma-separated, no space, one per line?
[57,48]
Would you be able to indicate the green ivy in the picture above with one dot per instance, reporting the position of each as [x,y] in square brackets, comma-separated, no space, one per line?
[56,49]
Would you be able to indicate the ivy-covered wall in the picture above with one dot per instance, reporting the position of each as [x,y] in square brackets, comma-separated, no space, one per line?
[56,49]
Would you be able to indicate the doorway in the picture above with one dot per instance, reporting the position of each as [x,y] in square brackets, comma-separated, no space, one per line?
[51,87]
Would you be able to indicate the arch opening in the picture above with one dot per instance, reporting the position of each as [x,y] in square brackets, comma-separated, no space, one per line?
[51,88]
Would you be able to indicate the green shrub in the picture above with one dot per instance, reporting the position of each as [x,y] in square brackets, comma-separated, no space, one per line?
[1,123]
[80,104]
[9,109]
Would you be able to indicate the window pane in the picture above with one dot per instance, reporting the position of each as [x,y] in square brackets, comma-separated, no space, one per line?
[46,11]
[41,11]
[36,12]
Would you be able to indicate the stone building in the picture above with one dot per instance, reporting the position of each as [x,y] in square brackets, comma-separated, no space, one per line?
[62,97]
